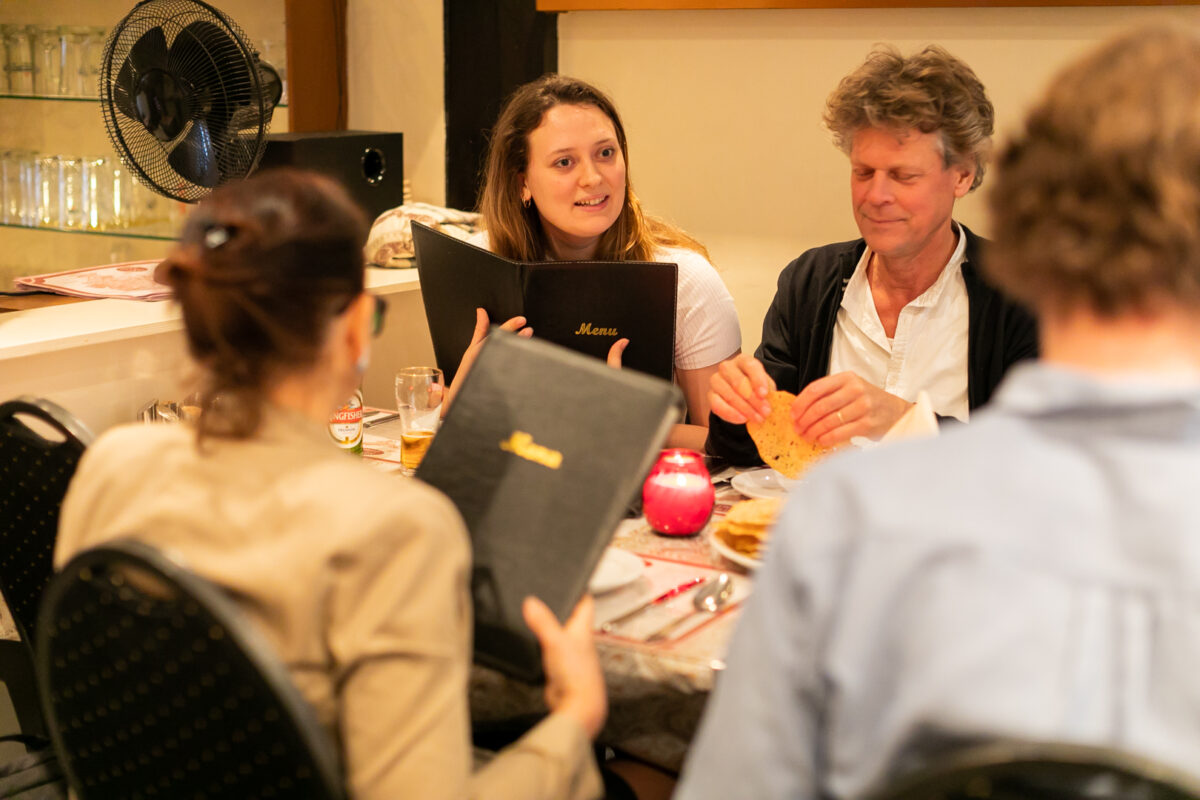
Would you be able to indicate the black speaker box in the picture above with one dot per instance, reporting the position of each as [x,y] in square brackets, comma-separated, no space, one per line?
[370,164]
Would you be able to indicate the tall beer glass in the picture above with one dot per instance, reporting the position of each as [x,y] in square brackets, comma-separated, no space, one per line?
[419,394]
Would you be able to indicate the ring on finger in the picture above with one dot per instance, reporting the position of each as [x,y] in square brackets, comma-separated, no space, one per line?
[841,419]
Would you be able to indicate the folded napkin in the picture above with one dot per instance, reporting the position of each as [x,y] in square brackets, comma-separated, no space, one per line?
[389,244]
[919,421]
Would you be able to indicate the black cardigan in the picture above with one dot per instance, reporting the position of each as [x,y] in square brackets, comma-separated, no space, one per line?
[797,334]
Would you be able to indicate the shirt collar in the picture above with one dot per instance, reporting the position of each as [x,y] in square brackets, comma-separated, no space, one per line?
[288,426]
[857,288]
[1154,404]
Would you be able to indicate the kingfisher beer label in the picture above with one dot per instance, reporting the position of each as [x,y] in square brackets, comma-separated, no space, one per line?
[346,425]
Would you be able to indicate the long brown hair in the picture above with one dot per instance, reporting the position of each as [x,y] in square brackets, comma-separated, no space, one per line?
[515,231]
[261,269]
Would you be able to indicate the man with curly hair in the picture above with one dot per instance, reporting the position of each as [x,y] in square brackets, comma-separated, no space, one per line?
[858,329]
[1032,577]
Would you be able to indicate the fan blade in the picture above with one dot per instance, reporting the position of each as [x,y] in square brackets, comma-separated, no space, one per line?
[148,52]
[195,158]
[238,154]
[203,56]
[245,120]
[122,96]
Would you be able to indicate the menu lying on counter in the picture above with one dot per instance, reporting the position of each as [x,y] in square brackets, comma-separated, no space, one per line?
[541,451]
[131,280]
[582,305]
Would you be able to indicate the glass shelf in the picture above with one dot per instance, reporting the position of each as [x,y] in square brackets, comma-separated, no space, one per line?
[164,232]
[67,98]
[62,97]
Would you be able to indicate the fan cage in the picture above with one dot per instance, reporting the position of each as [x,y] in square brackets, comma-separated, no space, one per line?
[233,67]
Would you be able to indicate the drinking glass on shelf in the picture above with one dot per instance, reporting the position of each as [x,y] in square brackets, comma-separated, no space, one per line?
[10,188]
[82,48]
[48,61]
[18,170]
[48,191]
[119,184]
[93,58]
[419,394]
[71,195]
[149,209]
[18,56]
[98,209]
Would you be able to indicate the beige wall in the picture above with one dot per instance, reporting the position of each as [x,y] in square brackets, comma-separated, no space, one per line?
[723,110]
[396,73]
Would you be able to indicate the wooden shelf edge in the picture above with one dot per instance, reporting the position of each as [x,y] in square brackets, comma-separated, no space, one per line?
[707,5]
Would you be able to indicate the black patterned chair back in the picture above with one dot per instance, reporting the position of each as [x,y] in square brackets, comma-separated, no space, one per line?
[1009,770]
[155,686]
[34,473]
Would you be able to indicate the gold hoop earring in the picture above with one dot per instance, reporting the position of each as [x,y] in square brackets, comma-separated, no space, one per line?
[526,201]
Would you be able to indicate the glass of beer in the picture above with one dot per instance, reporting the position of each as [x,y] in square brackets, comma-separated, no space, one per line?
[419,393]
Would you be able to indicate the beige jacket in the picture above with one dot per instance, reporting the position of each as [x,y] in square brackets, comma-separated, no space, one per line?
[357,578]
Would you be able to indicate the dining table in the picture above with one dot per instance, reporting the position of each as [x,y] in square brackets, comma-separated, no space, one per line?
[657,689]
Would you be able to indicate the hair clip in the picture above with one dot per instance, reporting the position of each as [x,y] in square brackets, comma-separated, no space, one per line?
[217,235]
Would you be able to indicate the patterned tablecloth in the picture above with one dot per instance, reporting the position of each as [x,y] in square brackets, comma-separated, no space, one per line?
[656,690]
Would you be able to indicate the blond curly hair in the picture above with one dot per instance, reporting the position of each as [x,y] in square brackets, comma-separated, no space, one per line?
[1096,203]
[930,91]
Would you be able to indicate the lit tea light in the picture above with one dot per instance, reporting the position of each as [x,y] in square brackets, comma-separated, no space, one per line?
[678,495]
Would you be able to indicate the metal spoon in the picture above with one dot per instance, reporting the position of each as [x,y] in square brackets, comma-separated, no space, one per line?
[710,598]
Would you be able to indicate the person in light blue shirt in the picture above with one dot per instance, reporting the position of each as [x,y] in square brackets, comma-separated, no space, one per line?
[1035,575]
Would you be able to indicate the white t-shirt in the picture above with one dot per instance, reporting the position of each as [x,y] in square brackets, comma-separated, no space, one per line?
[929,350]
[706,323]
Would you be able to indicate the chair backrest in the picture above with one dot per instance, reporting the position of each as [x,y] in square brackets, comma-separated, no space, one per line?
[34,473]
[1015,770]
[155,686]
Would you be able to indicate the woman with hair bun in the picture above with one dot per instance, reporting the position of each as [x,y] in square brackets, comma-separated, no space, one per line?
[357,579]
[557,187]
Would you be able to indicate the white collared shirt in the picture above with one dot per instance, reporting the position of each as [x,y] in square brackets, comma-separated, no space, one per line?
[929,350]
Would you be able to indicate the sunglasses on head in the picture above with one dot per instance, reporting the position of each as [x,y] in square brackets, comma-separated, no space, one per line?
[377,313]
[377,316]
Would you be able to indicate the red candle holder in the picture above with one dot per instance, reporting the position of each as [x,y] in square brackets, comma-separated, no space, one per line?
[678,495]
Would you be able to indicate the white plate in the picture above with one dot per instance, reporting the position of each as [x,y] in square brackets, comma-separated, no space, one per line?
[763,482]
[733,555]
[617,568]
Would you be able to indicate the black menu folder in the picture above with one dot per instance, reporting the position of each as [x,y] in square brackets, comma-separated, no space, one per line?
[582,305]
[540,452]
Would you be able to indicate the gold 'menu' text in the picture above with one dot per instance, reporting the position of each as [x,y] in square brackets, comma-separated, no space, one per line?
[522,444]
[586,329]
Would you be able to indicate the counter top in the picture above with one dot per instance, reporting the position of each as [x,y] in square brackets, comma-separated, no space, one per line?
[60,327]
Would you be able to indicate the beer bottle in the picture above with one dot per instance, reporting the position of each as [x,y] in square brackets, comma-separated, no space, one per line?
[346,425]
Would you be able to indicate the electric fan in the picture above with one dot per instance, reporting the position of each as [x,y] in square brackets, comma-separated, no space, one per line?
[187,103]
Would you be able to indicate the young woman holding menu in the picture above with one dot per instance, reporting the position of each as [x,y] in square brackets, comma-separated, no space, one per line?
[557,187]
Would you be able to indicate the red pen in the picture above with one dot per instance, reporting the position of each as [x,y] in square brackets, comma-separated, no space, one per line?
[667,595]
